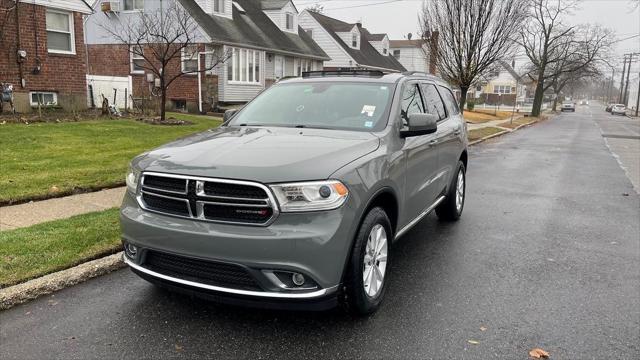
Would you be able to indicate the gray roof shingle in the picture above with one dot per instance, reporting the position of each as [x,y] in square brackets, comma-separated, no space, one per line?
[367,55]
[253,29]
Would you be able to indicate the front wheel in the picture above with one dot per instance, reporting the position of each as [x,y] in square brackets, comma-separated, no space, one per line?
[450,209]
[365,280]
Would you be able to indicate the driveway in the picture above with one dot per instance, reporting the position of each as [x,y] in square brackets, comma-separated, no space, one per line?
[547,255]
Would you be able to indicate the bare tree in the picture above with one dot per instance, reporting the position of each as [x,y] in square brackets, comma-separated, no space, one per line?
[578,59]
[160,39]
[472,36]
[555,49]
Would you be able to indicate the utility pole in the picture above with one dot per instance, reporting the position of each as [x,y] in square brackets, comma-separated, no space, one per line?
[625,98]
[638,95]
[624,65]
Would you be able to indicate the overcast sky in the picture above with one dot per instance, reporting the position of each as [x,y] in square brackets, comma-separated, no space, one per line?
[400,17]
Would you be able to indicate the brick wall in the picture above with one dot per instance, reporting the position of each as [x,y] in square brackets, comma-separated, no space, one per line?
[114,60]
[63,74]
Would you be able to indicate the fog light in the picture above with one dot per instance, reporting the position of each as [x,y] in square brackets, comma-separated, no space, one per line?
[298,279]
[130,250]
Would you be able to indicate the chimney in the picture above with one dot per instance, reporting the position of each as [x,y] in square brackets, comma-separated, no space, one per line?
[359,24]
[433,49]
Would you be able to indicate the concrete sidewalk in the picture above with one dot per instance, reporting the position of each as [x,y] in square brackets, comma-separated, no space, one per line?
[23,215]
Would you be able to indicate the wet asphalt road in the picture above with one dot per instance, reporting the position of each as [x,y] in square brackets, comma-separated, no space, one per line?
[547,255]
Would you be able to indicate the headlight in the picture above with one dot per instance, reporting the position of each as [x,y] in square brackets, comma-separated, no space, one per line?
[132,180]
[310,196]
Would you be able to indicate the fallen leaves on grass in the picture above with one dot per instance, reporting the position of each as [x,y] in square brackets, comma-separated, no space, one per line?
[178,348]
[482,328]
[538,353]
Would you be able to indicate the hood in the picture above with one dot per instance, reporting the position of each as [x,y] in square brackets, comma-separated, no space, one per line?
[263,154]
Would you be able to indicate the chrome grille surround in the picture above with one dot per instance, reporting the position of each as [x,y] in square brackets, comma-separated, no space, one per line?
[196,201]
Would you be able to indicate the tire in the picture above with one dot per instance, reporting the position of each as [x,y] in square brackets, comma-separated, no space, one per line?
[360,297]
[450,209]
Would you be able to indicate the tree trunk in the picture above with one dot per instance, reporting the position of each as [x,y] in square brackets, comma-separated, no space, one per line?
[555,101]
[463,97]
[163,99]
[539,96]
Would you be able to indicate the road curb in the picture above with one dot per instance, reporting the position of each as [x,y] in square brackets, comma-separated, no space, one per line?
[47,284]
[504,132]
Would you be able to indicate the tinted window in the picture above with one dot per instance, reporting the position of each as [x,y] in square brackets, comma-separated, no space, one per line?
[411,102]
[343,106]
[433,101]
[450,101]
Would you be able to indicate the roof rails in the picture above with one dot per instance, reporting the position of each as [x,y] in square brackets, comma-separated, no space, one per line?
[362,73]
[409,73]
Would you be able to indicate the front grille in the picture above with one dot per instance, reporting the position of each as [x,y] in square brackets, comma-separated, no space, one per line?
[206,199]
[234,190]
[201,271]
[164,204]
[166,183]
[254,215]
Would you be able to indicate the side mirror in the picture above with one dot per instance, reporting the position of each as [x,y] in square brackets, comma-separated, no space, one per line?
[229,114]
[420,124]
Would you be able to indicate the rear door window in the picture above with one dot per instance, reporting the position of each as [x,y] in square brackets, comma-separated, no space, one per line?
[450,101]
[433,101]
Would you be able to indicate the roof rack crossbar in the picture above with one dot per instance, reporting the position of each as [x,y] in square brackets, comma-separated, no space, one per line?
[324,73]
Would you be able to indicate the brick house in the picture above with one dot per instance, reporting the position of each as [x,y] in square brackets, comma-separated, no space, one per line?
[262,36]
[43,52]
[350,46]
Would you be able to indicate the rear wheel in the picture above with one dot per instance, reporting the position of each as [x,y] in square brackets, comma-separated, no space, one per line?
[365,280]
[451,207]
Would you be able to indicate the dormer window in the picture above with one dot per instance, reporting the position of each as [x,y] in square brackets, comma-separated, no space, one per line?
[289,21]
[354,40]
[384,51]
[218,6]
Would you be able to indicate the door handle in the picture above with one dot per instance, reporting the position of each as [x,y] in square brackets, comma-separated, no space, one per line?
[457,131]
[433,143]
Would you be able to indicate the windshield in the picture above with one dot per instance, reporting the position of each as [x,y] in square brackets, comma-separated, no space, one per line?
[341,106]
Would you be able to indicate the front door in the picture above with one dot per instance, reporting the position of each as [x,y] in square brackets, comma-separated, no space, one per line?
[421,153]
[279,66]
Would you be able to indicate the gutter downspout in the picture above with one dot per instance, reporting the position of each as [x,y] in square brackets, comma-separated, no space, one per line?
[19,46]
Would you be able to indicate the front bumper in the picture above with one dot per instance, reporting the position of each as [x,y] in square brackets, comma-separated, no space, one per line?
[313,244]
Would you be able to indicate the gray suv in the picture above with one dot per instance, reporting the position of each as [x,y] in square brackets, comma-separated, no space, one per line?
[296,200]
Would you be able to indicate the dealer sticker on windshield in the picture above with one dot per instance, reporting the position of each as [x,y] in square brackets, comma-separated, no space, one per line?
[368,109]
[368,124]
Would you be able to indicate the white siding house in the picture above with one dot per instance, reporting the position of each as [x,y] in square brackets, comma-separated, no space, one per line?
[412,54]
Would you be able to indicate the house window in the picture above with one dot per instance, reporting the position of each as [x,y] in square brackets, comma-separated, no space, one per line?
[303,65]
[396,54]
[190,59]
[218,6]
[44,98]
[130,5]
[354,40]
[502,89]
[137,60]
[385,51]
[244,66]
[309,32]
[60,38]
[289,21]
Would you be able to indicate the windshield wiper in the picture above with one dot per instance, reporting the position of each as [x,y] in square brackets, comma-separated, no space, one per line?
[312,127]
[250,125]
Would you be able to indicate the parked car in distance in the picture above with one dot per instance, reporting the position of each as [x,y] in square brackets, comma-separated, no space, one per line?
[584,102]
[608,108]
[619,109]
[296,200]
[568,106]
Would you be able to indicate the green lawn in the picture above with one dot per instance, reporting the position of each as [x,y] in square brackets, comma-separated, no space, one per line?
[478,134]
[44,248]
[44,160]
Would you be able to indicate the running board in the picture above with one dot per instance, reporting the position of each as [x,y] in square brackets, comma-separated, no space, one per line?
[419,217]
